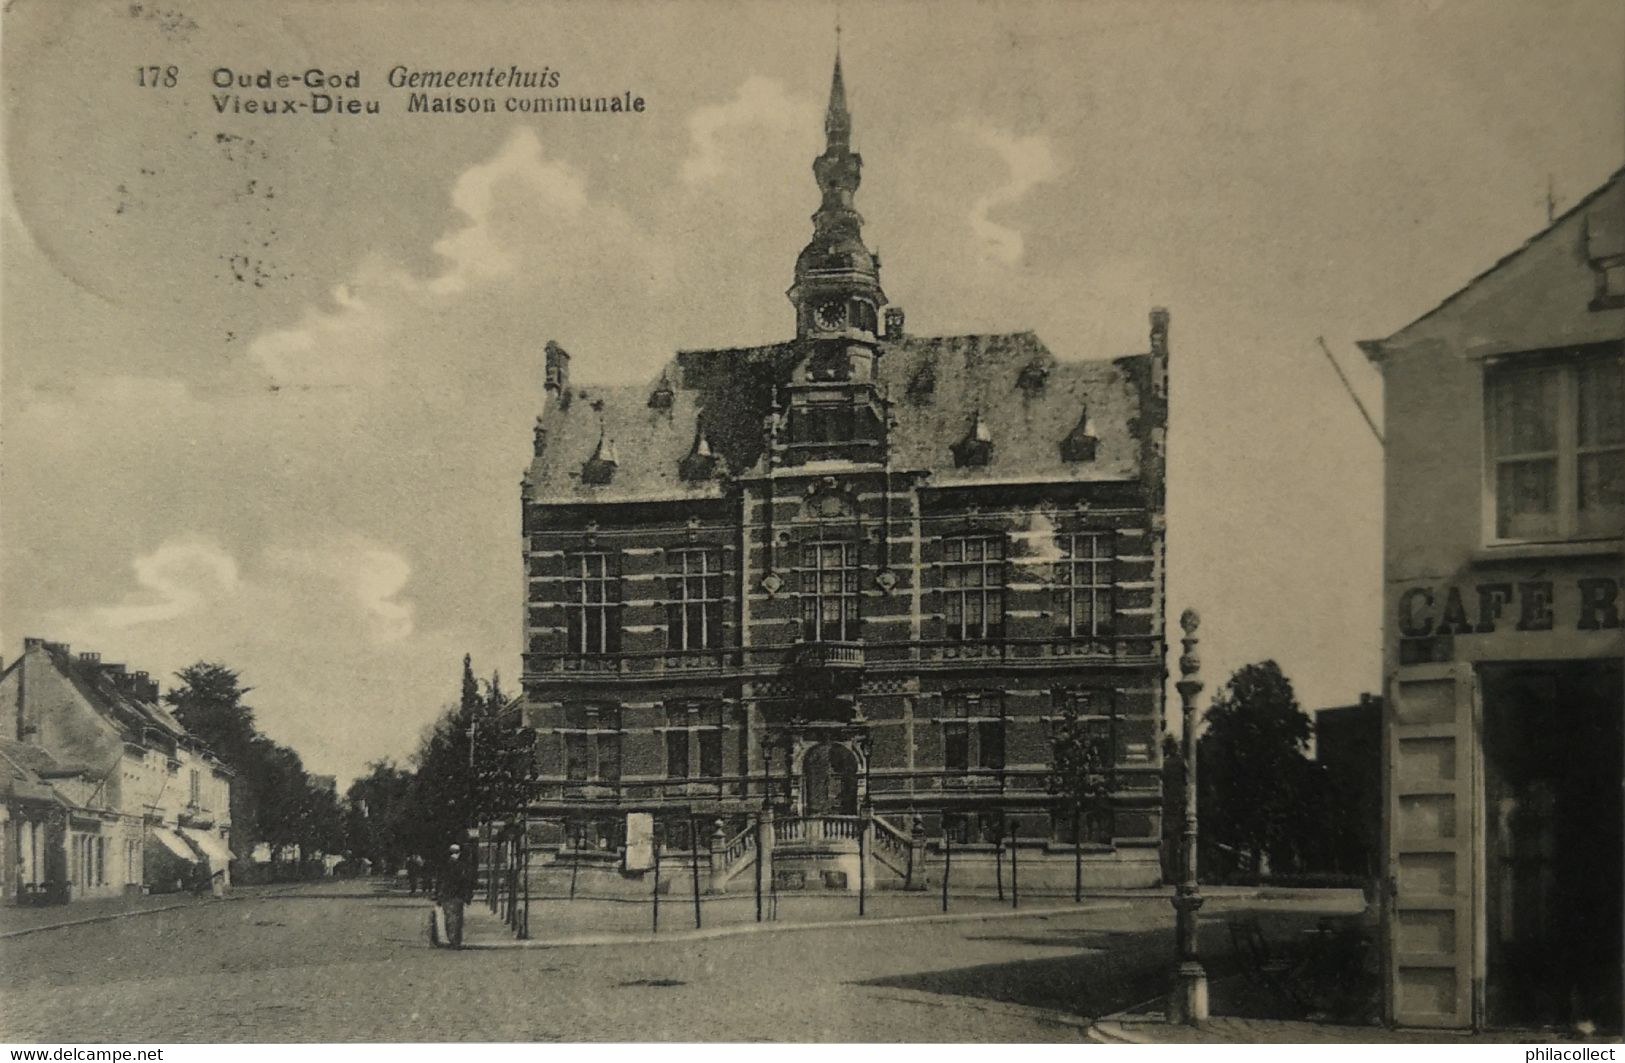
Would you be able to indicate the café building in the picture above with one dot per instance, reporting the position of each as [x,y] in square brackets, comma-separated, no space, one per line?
[1502,739]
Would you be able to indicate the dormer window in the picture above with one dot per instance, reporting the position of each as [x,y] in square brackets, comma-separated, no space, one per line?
[661,397]
[700,462]
[976,449]
[923,384]
[600,468]
[1605,251]
[1079,444]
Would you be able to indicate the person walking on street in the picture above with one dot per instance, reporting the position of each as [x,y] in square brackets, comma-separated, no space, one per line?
[454,888]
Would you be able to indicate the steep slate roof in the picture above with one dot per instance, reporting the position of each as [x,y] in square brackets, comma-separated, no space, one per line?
[983,374]
[21,768]
[92,681]
[728,391]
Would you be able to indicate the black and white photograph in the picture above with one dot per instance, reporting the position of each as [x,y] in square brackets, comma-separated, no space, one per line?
[725,521]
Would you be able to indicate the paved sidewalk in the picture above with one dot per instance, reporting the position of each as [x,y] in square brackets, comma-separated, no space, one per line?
[1148,1025]
[16,920]
[28,919]
[482,930]
[556,921]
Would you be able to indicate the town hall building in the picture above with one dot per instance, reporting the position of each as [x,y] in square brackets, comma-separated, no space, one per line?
[852,579]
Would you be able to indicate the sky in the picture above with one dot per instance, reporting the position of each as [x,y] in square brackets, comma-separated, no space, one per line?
[267,381]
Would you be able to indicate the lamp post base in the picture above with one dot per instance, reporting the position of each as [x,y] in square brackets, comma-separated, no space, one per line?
[1187,1004]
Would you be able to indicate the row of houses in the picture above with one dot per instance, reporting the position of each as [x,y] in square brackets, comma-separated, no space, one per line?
[102,791]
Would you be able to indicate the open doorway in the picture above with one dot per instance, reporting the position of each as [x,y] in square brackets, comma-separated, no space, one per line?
[1554,862]
[830,778]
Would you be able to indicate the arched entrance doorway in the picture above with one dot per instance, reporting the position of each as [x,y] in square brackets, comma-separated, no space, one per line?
[830,780]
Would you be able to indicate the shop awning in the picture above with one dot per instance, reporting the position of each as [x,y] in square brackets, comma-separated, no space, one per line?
[211,844]
[174,843]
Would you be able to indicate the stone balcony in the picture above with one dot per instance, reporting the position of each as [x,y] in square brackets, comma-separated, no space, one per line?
[827,656]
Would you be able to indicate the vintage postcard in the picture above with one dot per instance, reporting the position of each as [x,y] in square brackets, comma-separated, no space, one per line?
[724,521]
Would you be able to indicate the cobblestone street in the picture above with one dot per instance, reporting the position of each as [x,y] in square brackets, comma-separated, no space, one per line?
[349,961]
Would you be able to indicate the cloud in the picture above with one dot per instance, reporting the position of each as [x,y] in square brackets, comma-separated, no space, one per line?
[485,192]
[367,576]
[312,623]
[1031,162]
[531,233]
[346,345]
[722,136]
[178,579]
[192,578]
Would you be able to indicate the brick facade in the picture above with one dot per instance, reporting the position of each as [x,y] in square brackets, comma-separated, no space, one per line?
[860,566]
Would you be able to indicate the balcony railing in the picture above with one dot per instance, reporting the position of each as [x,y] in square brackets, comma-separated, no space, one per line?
[824,655]
[818,828]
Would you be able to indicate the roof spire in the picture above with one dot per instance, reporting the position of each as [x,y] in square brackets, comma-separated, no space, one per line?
[837,122]
[835,264]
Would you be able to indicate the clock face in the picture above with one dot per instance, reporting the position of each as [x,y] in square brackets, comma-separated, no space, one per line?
[831,314]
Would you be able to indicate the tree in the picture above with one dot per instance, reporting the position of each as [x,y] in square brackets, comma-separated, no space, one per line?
[503,756]
[272,797]
[209,704]
[443,785]
[1080,773]
[1253,780]
[321,821]
[378,818]
[281,803]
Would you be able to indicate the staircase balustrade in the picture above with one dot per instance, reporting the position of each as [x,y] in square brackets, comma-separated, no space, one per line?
[891,846]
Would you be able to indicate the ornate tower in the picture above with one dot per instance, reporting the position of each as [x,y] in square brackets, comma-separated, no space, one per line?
[833,408]
[837,292]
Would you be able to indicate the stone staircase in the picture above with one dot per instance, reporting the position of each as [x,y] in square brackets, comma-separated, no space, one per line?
[807,852]
[813,845]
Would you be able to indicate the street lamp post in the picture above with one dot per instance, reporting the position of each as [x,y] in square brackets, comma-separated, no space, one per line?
[1188,1003]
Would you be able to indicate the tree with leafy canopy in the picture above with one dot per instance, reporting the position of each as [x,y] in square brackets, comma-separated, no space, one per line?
[209,704]
[472,768]
[1080,768]
[503,756]
[378,815]
[272,799]
[1253,780]
[443,791]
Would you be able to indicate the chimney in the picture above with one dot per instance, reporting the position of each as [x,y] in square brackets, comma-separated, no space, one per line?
[90,657]
[894,322]
[143,687]
[1159,330]
[1159,352]
[556,371]
[32,642]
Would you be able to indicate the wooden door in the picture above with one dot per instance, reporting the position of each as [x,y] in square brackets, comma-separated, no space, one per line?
[1430,758]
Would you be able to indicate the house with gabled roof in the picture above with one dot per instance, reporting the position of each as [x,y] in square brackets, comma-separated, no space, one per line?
[145,805]
[849,582]
[1504,485]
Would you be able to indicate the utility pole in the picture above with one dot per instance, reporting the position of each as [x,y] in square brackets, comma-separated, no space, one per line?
[1187,1005]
